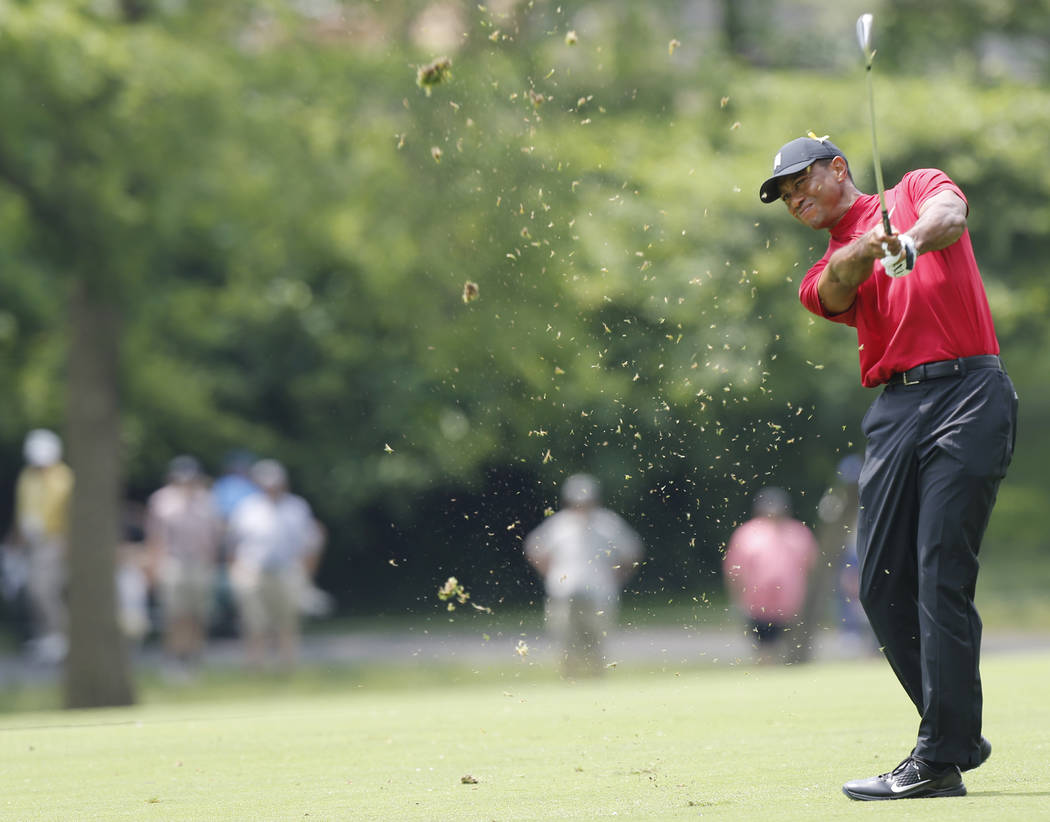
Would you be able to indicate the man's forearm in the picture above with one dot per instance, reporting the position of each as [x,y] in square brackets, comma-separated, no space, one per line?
[851,265]
[847,268]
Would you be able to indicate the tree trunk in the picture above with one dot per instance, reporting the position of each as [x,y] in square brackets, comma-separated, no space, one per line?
[97,669]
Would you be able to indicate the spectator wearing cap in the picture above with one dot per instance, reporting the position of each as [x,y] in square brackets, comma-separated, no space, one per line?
[231,488]
[183,529]
[766,569]
[272,535]
[236,483]
[42,496]
[584,553]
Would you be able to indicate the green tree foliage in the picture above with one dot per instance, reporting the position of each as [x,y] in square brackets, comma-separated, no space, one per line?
[287,221]
[988,40]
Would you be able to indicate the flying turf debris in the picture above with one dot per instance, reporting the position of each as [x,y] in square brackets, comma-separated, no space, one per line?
[453,590]
[433,74]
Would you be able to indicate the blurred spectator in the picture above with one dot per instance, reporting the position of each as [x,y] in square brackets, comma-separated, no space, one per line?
[235,483]
[828,605]
[766,567]
[42,497]
[14,582]
[313,602]
[133,575]
[14,578]
[229,490]
[585,553]
[183,529]
[838,511]
[272,536]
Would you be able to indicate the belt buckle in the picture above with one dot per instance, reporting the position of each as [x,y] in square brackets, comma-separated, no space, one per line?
[904,379]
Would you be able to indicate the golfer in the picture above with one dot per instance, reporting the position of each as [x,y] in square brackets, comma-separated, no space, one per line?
[939,435]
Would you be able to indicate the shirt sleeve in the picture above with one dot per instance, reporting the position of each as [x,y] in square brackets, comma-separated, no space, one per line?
[924,183]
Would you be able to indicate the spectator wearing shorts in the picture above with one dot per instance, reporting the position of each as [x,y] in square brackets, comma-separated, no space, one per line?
[585,553]
[183,531]
[42,499]
[766,568]
[272,535]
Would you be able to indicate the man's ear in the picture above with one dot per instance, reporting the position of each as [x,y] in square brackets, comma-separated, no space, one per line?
[840,168]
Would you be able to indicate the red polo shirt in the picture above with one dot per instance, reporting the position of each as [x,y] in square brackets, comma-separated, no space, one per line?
[937,312]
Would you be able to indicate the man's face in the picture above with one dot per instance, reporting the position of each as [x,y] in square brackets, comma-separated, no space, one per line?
[814,195]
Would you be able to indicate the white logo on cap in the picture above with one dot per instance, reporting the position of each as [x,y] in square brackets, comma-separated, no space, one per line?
[776,162]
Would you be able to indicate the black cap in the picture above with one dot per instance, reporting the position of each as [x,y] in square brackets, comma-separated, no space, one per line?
[794,157]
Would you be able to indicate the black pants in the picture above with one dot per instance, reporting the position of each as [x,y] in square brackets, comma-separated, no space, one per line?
[936,453]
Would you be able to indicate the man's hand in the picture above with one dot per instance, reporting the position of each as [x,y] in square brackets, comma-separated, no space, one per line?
[903,261]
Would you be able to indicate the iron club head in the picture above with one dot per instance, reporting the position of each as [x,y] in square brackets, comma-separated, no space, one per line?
[864,23]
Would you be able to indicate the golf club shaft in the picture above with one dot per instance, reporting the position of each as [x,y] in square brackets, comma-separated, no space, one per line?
[875,153]
[864,28]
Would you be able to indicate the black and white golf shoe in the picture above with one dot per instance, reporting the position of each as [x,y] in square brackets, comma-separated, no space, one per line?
[912,779]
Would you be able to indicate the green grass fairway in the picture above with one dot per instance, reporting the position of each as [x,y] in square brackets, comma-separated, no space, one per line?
[765,743]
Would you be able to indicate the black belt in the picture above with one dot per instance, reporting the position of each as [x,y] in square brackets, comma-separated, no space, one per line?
[944,368]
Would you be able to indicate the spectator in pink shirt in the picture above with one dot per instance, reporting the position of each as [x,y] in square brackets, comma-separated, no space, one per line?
[767,566]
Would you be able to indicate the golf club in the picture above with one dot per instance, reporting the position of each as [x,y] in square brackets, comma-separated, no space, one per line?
[864,24]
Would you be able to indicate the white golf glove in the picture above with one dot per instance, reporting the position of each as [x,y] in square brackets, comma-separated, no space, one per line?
[897,265]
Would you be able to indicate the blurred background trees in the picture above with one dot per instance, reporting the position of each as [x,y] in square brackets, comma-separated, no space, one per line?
[272,225]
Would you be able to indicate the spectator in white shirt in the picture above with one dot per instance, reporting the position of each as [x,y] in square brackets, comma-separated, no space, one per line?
[585,553]
[272,534]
